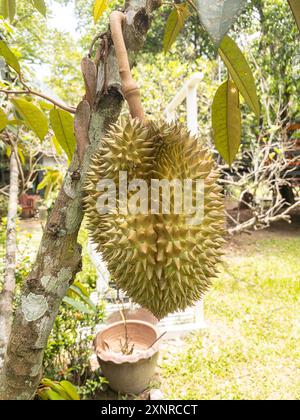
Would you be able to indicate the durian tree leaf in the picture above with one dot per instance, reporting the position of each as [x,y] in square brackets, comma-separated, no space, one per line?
[70,390]
[226,121]
[15,121]
[78,305]
[217,16]
[40,5]
[62,123]
[295,6]
[99,9]
[175,24]
[33,117]
[9,57]
[57,146]
[8,9]
[240,72]
[3,119]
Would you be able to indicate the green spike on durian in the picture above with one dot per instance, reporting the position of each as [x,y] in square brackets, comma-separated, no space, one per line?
[161,261]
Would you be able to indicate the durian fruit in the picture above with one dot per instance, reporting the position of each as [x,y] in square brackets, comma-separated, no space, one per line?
[164,263]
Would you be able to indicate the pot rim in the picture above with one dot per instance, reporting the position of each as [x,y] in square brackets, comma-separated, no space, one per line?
[119,358]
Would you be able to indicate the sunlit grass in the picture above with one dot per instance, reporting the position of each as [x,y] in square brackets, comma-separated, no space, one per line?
[251,348]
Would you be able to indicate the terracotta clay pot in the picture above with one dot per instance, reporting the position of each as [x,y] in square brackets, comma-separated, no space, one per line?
[128,374]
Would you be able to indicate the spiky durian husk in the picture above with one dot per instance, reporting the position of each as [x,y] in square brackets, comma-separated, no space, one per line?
[161,261]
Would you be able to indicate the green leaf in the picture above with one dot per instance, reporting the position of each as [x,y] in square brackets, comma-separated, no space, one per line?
[63,126]
[40,5]
[81,287]
[99,9]
[51,179]
[9,57]
[175,24]
[75,290]
[217,16]
[71,390]
[53,396]
[3,119]
[295,6]
[33,117]
[226,121]
[240,72]
[57,146]
[56,387]
[8,9]
[78,305]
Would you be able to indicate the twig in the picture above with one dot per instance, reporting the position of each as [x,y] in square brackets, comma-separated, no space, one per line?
[3,190]
[40,95]
[191,3]
[98,36]
[160,337]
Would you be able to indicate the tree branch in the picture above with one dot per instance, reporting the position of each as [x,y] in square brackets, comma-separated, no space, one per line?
[40,95]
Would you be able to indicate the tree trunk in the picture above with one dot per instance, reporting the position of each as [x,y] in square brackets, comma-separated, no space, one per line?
[9,283]
[59,256]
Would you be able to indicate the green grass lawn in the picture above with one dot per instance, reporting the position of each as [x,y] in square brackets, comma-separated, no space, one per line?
[251,348]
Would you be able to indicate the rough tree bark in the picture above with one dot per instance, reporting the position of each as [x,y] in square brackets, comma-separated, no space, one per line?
[59,256]
[9,281]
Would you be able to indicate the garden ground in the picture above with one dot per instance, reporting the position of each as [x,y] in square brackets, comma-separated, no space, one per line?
[251,346]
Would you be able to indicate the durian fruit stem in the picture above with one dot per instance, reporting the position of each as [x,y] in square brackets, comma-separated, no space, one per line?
[130,88]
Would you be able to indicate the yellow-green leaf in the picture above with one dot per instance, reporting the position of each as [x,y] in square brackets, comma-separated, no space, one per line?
[240,72]
[52,395]
[175,24]
[15,121]
[81,286]
[57,146]
[33,117]
[295,6]
[3,119]
[40,5]
[8,9]
[56,387]
[62,123]
[21,155]
[99,9]
[226,121]
[9,57]
[70,390]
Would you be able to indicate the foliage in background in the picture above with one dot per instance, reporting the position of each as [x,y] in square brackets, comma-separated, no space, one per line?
[69,350]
